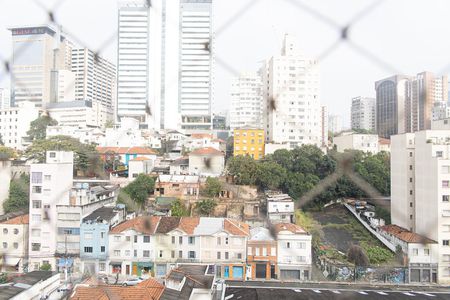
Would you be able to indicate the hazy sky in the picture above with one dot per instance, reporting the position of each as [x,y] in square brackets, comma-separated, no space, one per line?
[410,35]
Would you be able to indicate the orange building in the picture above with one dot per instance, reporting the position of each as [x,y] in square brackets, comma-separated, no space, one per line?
[249,141]
[262,254]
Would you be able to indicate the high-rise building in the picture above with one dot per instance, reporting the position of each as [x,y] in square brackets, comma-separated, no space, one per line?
[405,103]
[246,101]
[292,110]
[95,78]
[165,63]
[39,52]
[363,113]
[4,98]
[324,125]
[334,123]
[420,189]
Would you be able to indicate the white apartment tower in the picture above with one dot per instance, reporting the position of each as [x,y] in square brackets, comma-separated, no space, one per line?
[39,52]
[334,123]
[363,113]
[292,110]
[95,78]
[165,63]
[246,101]
[420,189]
[50,186]
[4,98]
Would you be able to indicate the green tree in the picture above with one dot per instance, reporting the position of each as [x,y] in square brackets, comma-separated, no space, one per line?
[243,169]
[177,209]
[45,267]
[39,126]
[212,187]
[358,257]
[206,207]
[19,195]
[6,153]
[140,189]
[270,175]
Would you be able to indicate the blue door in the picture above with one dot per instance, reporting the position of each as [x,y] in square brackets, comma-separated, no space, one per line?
[238,272]
[226,272]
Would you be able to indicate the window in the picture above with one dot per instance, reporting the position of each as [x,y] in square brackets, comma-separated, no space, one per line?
[173,240]
[52,154]
[438,153]
[135,253]
[410,217]
[288,245]
[218,255]
[47,177]
[128,238]
[102,267]
[135,238]
[257,251]
[301,258]
[445,183]
[116,252]
[35,232]
[301,245]
[146,239]
[180,240]
[445,169]
[191,240]
[102,234]
[415,252]
[37,203]
[102,249]
[146,253]
[5,231]
[180,254]
[191,254]
[35,247]
[218,240]
[410,179]
[445,242]
[239,255]
[226,255]
[36,218]
[160,253]
[410,167]
[5,245]
[36,177]
[172,254]
[16,245]
[117,238]
[249,250]
[426,252]
[16,231]
[127,252]
[87,249]
[445,198]
[88,236]
[226,241]
[410,204]
[36,189]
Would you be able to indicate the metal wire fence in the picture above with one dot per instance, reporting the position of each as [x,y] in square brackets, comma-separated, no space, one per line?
[342,36]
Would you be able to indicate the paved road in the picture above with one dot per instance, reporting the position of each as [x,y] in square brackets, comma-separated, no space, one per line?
[268,293]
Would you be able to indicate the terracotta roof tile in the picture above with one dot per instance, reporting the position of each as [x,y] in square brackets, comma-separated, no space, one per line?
[23,219]
[167,224]
[188,224]
[289,227]
[201,135]
[126,150]
[206,151]
[140,158]
[406,235]
[143,224]
[236,228]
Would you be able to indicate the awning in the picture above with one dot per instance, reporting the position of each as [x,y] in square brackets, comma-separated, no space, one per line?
[10,261]
[65,262]
[115,263]
[145,264]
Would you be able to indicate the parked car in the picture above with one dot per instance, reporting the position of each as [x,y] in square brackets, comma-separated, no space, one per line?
[132,281]
[66,287]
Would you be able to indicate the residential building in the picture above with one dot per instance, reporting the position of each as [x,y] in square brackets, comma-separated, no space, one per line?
[206,162]
[5,100]
[14,250]
[294,252]
[15,123]
[95,78]
[405,103]
[384,145]
[179,166]
[32,285]
[86,135]
[443,124]
[219,122]
[420,168]
[94,239]
[201,140]
[246,101]
[280,207]
[292,109]
[324,126]
[421,252]
[147,289]
[125,154]
[441,110]
[270,148]
[39,53]
[363,113]
[190,282]
[334,123]
[132,248]
[139,165]
[84,113]
[5,175]
[262,254]
[356,141]
[249,141]
[184,187]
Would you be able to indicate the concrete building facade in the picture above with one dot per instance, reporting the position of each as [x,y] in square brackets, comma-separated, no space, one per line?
[363,113]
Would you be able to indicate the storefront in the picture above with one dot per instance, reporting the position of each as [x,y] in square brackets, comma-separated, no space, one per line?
[235,272]
[116,267]
[142,268]
[65,263]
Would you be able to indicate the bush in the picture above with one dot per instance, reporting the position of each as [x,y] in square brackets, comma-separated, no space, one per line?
[212,187]
[206,207]
[377,254]
[178,209]
[45,267]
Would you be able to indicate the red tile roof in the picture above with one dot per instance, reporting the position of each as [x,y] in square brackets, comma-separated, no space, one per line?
[384,141]
[289,227]
[140,158]
[149,289]
[236,228]
[406,235]
[126,150]
[23,219]
[142,224]
[201,135]
[188,224]
[206,151]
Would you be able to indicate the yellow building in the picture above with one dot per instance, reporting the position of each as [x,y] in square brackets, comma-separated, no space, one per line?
[249,141]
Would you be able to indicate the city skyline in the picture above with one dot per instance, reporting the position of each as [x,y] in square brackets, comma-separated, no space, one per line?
[361,73]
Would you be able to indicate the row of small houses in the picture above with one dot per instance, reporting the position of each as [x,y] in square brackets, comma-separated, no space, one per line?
[153,245]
